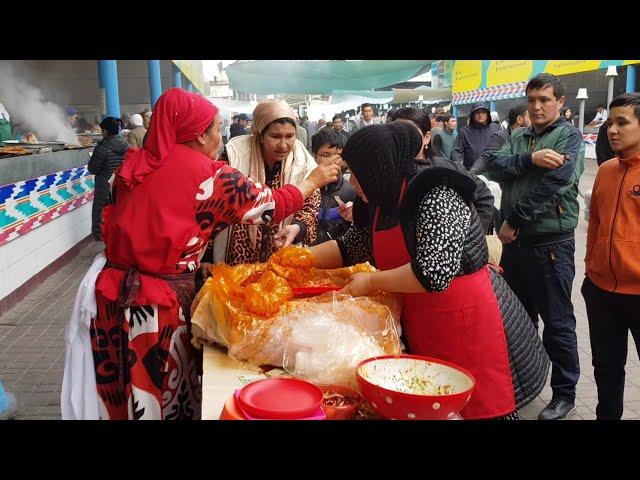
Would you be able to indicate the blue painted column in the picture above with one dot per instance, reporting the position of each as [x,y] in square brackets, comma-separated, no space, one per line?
[108,79]
[189,86]
[177,76]
[492,106]
[4,399]
[631,79]
[155,81]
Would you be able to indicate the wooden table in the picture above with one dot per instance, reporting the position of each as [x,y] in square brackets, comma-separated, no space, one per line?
[222,375]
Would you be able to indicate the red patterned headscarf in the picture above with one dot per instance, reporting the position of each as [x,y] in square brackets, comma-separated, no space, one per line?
[178,117]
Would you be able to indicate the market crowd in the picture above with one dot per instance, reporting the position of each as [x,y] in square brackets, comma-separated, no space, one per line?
[474,226]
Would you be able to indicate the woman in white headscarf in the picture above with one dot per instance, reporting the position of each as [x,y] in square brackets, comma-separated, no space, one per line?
[5,124]
[271,155]
[136,136]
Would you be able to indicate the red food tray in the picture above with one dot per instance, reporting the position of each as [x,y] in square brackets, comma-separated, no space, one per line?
[280,398]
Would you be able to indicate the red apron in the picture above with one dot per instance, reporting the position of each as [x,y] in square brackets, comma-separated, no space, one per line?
[462,324]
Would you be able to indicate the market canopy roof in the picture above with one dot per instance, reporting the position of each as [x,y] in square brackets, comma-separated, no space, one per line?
[320,77]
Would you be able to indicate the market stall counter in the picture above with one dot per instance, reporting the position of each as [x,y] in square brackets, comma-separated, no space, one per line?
[45,210]
[222,375]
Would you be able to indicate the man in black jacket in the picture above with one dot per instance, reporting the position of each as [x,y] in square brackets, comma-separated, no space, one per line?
[473,138]
[604,151]
[106,157]
[518,118]
[337,124]
[240,128]
[427,158]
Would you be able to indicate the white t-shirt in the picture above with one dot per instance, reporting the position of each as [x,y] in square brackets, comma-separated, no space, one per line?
[4,113]
[601,117]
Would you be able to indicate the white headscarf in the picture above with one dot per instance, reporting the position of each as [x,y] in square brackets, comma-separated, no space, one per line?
[136,120]
[4,113]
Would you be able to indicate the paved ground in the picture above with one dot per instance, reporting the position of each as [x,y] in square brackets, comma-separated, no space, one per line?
[32,341]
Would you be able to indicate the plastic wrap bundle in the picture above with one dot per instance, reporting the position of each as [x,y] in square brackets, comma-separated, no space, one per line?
[251,310]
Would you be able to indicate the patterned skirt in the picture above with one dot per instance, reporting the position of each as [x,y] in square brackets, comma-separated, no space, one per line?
[146,366]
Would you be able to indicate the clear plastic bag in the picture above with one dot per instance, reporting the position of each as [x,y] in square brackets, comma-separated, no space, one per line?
[326,341]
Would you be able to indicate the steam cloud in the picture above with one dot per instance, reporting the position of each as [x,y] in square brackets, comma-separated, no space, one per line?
[26,106]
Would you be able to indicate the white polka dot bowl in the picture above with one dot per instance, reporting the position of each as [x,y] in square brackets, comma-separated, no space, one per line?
[412,387]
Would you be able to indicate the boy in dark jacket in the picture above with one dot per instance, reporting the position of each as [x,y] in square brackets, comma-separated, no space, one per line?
[334,217]
[106,157]
[473,138]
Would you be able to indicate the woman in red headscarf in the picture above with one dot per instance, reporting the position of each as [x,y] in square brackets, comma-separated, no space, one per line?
[171,198]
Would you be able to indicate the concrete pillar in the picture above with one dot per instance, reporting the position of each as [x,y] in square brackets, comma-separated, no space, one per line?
[189,86]
[155,81]
[108,79]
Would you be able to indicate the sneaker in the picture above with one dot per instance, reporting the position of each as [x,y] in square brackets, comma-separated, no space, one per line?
[12,409]
[558,409]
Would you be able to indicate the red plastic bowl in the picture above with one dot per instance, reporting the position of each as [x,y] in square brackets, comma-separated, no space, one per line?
[345,412]
[384,381]
[280,398]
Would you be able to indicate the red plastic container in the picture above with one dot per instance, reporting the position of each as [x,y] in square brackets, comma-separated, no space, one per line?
[280,398]
[379,376]
[345,412]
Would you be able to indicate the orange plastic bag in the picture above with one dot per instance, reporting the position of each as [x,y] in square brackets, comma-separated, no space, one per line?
[250,309]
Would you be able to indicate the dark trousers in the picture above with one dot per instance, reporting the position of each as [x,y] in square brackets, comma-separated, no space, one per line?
[541,277]
[100,200]
[611,316]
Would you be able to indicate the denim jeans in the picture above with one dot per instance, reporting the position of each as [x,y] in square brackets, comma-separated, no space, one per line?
[542,277]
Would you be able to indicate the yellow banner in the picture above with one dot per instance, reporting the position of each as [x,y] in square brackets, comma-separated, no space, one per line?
[566,67]
[192,69]
[467,75]
[501,72]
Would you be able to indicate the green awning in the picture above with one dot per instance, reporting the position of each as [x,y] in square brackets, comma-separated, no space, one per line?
[320,77]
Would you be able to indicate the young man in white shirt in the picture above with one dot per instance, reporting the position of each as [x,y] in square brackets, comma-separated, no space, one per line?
[600,118]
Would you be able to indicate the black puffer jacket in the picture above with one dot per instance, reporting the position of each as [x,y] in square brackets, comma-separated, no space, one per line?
[527,357]
[106,157]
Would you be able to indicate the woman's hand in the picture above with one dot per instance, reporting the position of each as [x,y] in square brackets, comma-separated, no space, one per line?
[286,235]
[359,284]
[320,176]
